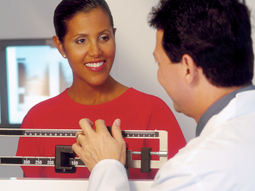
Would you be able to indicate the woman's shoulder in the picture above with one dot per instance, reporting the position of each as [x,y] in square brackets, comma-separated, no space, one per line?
[142,98]
[139,95]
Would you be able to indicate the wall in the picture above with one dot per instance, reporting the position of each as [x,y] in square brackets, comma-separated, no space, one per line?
[134,64]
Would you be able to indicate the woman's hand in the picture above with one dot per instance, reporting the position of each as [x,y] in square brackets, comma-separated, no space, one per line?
[94,146]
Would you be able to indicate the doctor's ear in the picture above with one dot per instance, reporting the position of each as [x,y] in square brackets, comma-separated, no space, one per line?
[190,69]
[59,46]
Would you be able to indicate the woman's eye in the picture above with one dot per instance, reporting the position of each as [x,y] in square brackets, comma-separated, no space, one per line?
[79,41]
[104,38]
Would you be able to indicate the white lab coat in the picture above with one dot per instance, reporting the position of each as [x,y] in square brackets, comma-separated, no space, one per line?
[221,158]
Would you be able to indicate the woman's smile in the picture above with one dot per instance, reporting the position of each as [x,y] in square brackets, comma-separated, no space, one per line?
[95,66]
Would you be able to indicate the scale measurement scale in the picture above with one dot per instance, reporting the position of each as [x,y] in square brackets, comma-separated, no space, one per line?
[36,161]
[12,132]
[161,135]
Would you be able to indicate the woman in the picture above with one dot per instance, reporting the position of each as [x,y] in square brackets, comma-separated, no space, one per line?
[85,35]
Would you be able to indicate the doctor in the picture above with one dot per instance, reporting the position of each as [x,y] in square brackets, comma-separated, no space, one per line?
[205,58]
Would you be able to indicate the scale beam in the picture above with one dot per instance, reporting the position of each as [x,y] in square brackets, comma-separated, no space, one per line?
[70,133]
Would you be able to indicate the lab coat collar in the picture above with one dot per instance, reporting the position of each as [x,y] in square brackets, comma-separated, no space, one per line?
[217,107]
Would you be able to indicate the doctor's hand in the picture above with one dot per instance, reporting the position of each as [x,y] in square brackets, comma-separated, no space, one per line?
[94,146]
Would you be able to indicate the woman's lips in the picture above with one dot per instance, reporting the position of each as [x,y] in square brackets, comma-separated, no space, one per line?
[95,66]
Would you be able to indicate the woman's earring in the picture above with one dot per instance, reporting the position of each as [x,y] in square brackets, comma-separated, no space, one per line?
[64,56]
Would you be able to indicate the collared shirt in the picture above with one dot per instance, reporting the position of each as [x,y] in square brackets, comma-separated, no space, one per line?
[217,107]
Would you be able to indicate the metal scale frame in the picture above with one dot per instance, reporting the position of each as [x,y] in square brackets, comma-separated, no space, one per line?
[65,160]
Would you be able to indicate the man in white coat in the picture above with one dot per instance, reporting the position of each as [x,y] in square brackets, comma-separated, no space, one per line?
[205,58]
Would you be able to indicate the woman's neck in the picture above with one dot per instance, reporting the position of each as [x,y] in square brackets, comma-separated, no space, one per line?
[93,95]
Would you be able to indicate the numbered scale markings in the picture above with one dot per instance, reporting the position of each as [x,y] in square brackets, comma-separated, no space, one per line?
[69,133]
[36,161]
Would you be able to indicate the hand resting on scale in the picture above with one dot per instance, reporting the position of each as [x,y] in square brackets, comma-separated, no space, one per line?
[94,146]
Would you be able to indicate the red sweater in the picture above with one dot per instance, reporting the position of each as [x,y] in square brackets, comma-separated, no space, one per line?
[137,111]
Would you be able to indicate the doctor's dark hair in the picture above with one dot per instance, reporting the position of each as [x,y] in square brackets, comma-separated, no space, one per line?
[215,33]
[67,9]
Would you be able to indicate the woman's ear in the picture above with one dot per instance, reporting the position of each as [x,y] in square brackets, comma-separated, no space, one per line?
[59,46]
[190,69]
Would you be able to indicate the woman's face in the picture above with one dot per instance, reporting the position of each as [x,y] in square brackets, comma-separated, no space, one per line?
[89,46]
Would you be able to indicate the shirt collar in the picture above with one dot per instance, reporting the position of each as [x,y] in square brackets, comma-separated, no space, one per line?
[217,107]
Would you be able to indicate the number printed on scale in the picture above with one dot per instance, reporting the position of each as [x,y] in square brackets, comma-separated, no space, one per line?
[26,161]
[50,162]
[38,162]
[74,162]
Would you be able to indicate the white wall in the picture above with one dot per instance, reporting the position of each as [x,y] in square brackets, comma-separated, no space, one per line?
[134,64]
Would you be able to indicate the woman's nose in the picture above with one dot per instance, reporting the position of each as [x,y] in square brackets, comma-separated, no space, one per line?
[95,50]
